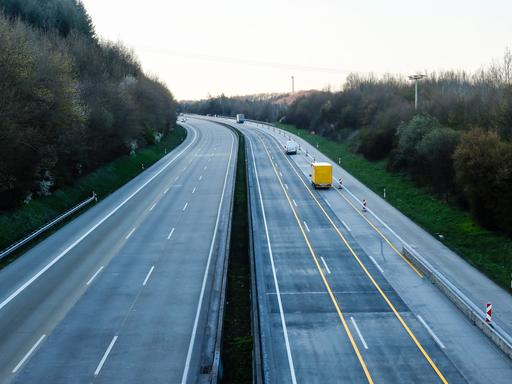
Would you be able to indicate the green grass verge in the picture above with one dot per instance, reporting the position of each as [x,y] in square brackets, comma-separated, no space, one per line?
[105,180]
[488,251]
[237,344]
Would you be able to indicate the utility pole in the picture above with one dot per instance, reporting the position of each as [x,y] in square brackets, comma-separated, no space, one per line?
[293,84]
[416,78]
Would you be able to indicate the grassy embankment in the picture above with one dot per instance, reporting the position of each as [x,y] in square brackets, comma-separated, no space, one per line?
[488,251]
[105,180]
[237,345]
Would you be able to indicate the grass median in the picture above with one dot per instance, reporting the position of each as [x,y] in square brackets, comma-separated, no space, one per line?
[17,224]
[488,251]
[237,344]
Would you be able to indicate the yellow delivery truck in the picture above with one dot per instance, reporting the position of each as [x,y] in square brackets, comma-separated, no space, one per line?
[321,174]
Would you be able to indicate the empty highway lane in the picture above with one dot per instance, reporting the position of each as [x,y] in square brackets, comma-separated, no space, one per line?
[123,292]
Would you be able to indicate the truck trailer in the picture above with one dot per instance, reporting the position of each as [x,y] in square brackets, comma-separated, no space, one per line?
[240,118]
[321,174]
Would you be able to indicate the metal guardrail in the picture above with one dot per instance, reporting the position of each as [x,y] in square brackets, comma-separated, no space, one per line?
[13,247]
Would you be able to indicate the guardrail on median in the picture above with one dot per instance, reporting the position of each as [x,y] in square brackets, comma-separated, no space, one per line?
[13,247]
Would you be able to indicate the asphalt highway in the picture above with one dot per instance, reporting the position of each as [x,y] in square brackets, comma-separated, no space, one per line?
[123,292]
[336,302]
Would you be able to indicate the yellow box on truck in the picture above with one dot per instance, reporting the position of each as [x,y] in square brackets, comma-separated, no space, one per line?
[321,174]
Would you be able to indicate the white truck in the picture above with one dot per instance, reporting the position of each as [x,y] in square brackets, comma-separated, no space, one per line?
[240,118]
[291,147]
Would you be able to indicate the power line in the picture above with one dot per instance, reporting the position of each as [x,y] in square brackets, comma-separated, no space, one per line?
[249,62]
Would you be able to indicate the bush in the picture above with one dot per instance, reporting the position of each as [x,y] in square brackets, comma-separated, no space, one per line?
[482,167]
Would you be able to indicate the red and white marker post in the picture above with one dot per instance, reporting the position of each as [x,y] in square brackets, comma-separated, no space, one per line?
[488,313]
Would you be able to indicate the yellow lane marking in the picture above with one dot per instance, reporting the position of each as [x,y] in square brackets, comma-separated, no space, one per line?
[379,232]
[315,258]
[384,296]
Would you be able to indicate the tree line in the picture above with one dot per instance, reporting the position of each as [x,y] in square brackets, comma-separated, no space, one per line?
[267,107]
[457,144]
[68,101]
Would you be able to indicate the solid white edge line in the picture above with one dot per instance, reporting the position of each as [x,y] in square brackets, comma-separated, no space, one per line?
[208,262]
[276,284]
[434,336]
[130,233]
[325,265]
[346,226]
[94,276]
[63,253]
[359,333]
[306,225]
[148,275]
[105,355]
[376,264]
[170,233]
[25,358]
[185,206]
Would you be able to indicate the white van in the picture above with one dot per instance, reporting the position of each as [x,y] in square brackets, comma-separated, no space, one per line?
[291,147]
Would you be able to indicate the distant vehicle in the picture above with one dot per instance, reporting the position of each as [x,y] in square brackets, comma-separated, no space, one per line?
[291,147]
[321,174]
[240,118]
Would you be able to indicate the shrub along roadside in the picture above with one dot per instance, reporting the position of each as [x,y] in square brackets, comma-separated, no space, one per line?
[105,180]
[489,252]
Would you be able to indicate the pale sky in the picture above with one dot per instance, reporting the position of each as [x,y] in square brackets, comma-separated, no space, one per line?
[239,47]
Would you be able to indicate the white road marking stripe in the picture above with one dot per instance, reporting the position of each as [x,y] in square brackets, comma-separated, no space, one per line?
[306,225]
[148,275]
[286,185]
[105,355]
[193,191]
[346,226]
[434,336]
[276,284]
[94,276]
[176,178]
[376,264]
[166,190]
[200,177]
[294,203]
[281,174]
[205,167]
[153,206]
[359,333]
[329,204]
[186,205]
[170,233]
[74,244]
[130,233]
[325,265]
[25,358]
[184,378]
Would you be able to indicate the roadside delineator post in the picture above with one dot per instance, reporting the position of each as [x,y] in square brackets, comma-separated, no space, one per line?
[488,313]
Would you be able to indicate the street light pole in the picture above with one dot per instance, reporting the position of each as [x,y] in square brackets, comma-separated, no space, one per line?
[416,78]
